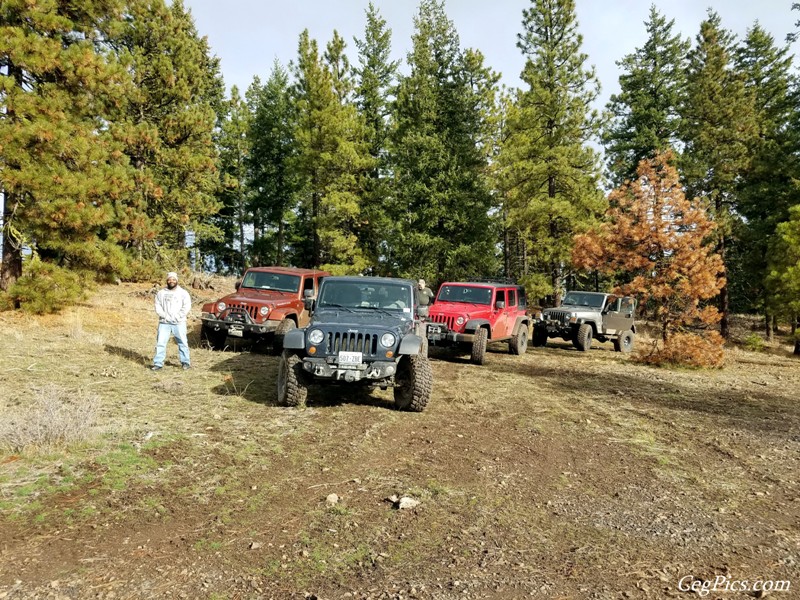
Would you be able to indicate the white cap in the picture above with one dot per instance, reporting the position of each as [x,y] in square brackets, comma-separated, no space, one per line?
[172,275]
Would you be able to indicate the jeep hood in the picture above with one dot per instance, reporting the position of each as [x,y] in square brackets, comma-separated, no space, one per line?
[259,296]
[364,319]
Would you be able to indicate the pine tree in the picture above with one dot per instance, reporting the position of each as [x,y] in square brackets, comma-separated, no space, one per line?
[661,240]
[645,116]
[718,125]
[168,128]
[331,157]
[441,198]
[783,277]
[60,167]
[273,180]
[229,254]
[374,78]
[550,171]
[765,190]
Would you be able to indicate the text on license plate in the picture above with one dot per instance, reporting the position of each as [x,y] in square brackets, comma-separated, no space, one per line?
[349,358]
[434,329]
[235,332]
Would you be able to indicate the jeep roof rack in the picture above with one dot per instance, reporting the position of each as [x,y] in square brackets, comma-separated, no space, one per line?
[495,280]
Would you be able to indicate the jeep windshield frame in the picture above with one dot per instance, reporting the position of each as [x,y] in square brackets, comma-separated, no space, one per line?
[587,299]
[465,294]
[394,298]
[268,280]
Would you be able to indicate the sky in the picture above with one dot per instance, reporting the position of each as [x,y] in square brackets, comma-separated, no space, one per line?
[248,35]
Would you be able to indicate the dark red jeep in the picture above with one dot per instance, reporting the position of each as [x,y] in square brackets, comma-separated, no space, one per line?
[467,316]
[268,302]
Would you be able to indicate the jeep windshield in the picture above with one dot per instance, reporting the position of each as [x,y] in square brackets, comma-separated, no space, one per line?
[367,295]
[465,293]
[280,282]
[588,299]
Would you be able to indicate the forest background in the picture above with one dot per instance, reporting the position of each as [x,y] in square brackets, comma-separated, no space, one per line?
[122,154]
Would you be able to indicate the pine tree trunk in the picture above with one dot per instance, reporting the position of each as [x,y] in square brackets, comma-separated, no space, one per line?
[279,244]
[775,324]
[767,328]
[11,266]
[795,320]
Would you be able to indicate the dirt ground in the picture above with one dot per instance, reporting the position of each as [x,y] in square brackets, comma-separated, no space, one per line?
[556,474]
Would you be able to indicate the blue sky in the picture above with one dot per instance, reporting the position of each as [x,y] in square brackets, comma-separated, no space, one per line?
[248,35]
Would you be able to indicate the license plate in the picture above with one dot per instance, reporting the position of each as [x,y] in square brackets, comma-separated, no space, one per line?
[349,358]
[434,329]
[235,332]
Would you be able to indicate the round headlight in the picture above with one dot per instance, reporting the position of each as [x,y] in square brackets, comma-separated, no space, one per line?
[460,321]
[221,306]
[387,340]
[315,336]
[264,310]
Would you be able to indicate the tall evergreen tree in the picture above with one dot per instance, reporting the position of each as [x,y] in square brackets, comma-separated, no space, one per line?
[273,180]
[718,127]
[441,199]
[229,254]
[374,78]
[167,127]
[550,171]
[645,116]
[60,167]
[331,157]
[766,190]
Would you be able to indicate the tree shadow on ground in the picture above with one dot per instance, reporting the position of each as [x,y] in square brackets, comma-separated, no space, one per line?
[726,403]
[128,354]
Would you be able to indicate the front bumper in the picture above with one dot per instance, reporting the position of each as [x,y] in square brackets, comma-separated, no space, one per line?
[439,335]
[238,327]
[328,368]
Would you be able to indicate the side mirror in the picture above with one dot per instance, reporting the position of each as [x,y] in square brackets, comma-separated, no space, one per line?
[500,305]
[237,284]
[308,294]
[309,304]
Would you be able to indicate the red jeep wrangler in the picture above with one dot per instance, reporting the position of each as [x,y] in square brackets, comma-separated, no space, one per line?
[468,315]
[268,302]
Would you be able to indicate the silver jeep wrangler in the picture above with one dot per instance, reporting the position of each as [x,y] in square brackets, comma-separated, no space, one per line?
[584,316]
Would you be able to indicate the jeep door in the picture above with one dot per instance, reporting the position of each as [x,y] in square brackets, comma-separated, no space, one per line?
[502,320]
[618,315]
[309,283]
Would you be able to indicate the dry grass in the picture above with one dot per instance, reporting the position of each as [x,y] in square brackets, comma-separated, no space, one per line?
[58,417]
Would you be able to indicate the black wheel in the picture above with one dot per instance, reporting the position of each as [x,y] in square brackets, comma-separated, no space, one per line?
[539,338]
[284,327]
[413,383]
[583,341]
[479,347]
[624,342]
[519,343]
[292,390]
[214,339]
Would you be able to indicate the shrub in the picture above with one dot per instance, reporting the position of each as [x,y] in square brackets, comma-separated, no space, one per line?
[58,417]
[688,350]
[46,288]
[754,343]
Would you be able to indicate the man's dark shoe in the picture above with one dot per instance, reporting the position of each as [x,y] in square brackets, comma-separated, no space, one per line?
[186,366]
[156,368]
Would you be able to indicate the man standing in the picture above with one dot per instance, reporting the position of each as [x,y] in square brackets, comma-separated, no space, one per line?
[424,293]
[173,304]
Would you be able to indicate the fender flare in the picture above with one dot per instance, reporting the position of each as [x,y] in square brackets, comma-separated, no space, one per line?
[474,324]
[295,339]
[520,322]
[280,314]
[410,344]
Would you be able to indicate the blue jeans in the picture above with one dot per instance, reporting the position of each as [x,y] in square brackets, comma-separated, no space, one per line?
[165,331]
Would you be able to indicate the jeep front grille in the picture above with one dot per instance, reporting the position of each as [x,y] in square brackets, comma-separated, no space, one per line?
[562,316]
[234,309]
[365,343]
[448,321]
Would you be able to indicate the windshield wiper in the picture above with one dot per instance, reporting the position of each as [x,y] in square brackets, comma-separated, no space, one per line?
[329,305]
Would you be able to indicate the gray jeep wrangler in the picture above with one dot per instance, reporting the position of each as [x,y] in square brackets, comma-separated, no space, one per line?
[584,316]
[364,333]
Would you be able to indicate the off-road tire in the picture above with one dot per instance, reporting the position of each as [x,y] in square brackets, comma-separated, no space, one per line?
[539,338]
[292,390]
[583,340]
[478,354]
[624,342]
[284,327]
[519,343]
[214,339]
[413,383]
